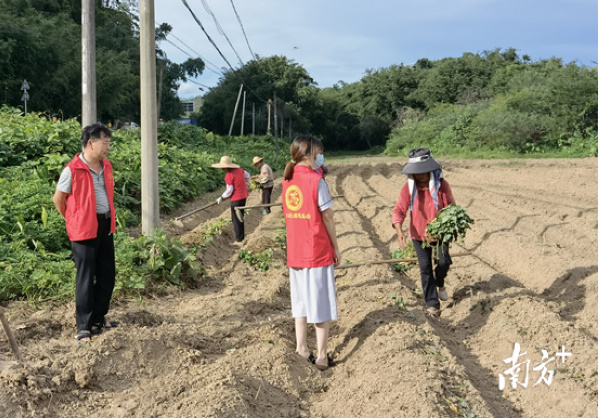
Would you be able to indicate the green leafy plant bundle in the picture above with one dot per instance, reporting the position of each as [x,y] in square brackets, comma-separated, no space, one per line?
[407,252]
[450,224]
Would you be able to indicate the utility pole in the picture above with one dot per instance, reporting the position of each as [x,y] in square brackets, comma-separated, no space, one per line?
[275,122]
[243,113]
[25,97]
[269,103]
[150,198]
[253,119]
[237,101]
[89,113]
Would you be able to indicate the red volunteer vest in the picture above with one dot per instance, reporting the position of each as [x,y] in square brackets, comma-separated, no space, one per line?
[80,214]
[308,244]
[235,177]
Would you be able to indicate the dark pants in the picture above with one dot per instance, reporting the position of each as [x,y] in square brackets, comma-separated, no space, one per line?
[266,198]
[238,227]
[429,282]
[95,280]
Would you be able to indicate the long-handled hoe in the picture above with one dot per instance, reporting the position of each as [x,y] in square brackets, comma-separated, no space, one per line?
[11,337]
[402,260]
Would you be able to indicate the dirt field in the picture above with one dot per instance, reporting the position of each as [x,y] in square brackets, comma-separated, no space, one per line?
[226,349]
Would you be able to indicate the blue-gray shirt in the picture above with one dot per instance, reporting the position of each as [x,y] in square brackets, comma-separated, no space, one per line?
[65,184]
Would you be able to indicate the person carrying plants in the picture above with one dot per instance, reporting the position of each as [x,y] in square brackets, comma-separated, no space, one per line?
[266,181]
[84,198]
[237,181]
[312,248]
[425,193]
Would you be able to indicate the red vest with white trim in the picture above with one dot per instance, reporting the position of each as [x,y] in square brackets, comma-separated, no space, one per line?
[80,214]
[308,243]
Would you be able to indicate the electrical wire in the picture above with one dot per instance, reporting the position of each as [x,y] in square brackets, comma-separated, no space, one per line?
[217,72]
[185,3]
[220,29]
[243,31]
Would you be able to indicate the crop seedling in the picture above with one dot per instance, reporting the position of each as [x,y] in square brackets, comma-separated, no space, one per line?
[407,252]
[261,261]
[450,224]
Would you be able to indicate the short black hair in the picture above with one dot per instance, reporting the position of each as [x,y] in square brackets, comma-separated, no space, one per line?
[94,131]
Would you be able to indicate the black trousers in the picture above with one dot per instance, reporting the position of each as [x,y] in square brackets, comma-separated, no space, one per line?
[238,227]
[266,198]
[95,280]
[432,279]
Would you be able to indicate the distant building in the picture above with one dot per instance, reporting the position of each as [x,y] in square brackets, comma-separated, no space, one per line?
[191,105]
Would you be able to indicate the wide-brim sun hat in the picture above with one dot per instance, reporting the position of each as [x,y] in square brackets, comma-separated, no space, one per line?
[225,163]
[420,161]
[256,160]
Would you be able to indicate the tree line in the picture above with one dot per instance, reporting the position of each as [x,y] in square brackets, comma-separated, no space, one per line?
[495,99]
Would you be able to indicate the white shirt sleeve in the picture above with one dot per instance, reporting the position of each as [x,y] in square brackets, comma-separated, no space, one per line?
[324,198]
[228,192]
[65,182]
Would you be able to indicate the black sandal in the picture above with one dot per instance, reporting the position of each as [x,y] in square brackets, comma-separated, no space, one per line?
[81,335]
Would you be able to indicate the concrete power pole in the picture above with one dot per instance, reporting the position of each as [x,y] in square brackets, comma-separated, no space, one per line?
[237,101]
[253,118]
[243,113]
[269,103]
[275,122]
[89,114]
[150,199]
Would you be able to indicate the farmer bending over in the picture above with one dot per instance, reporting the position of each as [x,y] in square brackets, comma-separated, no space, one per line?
[238,181]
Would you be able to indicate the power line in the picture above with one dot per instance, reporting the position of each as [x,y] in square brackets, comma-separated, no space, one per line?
[220,29]
[242,26]
[217,71]
[205,33]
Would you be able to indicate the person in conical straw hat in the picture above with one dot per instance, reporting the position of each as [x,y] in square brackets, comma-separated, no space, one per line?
[425,193]
[237,181]
[266,181]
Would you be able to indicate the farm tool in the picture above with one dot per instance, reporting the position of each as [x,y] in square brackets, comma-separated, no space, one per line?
[11,337]
[238,210]
[401,260]
[177,220]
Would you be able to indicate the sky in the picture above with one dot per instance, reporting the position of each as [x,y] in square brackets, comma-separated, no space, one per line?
[339,40]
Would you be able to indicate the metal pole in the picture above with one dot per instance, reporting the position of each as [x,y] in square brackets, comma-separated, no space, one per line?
[235,109]
[88,63]
[150,199]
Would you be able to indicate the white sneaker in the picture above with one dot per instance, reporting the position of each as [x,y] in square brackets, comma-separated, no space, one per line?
[443,295]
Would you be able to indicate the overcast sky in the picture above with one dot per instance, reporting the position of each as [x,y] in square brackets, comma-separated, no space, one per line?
[338,40]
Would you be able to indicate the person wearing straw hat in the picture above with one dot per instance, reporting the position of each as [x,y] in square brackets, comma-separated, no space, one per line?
[312,248]
[237,181]
[425,193]
[266,181]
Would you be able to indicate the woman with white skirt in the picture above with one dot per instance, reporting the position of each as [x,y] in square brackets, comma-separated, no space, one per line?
[312,249]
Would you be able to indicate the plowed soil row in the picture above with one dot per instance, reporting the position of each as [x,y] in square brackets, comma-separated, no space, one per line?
[226,348]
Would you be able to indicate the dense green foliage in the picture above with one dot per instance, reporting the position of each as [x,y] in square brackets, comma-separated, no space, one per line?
[494,102]
[41,41]
[490,101]
[34,248]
